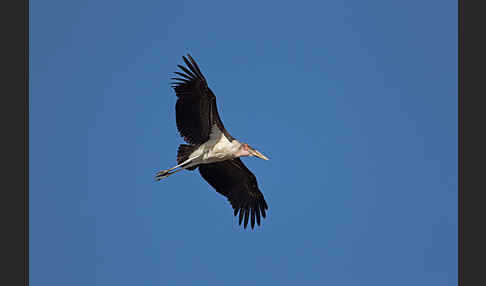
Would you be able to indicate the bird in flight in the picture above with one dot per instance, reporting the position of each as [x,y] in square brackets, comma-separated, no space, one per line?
[211,148]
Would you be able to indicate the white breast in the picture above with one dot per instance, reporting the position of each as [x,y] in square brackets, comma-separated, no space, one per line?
[218,147]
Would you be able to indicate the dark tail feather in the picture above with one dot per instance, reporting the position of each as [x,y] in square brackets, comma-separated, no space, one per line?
[184,152]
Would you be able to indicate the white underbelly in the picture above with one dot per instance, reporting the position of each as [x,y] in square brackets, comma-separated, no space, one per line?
[222,150]
[217,148]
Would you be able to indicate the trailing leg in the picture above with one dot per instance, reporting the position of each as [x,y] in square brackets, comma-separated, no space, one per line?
[183,160]
[162,174]
[165,174]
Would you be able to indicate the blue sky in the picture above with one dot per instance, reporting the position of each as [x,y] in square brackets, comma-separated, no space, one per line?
[354,102]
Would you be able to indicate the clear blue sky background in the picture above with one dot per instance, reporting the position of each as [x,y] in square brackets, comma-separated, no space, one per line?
[354,102]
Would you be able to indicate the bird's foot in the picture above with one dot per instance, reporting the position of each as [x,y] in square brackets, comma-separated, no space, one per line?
[162,174]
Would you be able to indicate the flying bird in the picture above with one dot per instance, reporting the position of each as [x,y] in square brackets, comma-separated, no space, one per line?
[211,148]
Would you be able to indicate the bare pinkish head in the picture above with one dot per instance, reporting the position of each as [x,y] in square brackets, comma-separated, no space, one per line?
[247,150]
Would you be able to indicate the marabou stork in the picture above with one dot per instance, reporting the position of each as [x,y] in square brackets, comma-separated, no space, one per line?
[211,148]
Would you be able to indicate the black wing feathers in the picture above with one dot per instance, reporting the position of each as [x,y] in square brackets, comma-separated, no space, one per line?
[232,179]
[196,109]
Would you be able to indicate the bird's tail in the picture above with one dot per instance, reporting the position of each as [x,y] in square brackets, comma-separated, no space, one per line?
[184,152]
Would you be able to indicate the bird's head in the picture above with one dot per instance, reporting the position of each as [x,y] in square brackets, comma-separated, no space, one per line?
[247,150]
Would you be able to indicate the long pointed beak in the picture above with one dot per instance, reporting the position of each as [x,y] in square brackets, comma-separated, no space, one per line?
[259,155]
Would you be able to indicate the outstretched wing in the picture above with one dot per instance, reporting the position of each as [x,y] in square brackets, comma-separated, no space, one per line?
[196,110]
[232,179]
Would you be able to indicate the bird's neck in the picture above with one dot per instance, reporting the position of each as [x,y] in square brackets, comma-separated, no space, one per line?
[240,152]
